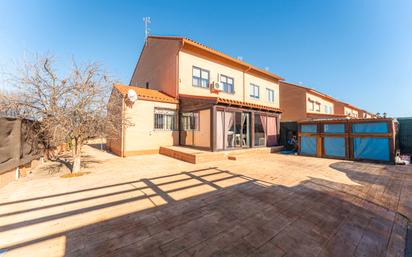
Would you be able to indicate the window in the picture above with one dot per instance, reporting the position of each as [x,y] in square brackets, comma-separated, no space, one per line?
[317,107]
[312,105]
[260,127]
[271,95]
[254,91]
[228,85]
[190,121]
[200,77]
[328,109]
[164,119]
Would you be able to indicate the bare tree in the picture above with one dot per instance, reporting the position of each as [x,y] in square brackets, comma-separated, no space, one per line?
[69,108]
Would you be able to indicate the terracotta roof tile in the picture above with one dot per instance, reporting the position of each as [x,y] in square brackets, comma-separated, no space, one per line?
[223,55]
[220,100]
[147,94]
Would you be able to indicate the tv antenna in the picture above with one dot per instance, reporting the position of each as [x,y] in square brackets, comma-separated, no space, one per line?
[146,21]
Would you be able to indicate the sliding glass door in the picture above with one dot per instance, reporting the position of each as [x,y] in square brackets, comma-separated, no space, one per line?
[260,130]
[265,130]
[232,130]
[245,129]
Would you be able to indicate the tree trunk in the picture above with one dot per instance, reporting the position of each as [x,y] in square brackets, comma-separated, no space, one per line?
[76,156]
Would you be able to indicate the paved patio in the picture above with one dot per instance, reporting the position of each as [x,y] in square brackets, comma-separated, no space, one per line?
[260,205]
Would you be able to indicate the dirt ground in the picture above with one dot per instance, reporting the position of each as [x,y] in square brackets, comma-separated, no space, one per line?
[260,205]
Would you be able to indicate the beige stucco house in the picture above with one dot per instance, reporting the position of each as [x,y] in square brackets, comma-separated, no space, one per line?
[191,95]
[302,103]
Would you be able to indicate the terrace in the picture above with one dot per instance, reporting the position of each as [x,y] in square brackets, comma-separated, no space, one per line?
[260,205]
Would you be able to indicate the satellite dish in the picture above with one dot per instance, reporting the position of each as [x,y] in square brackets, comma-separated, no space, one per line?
[131,95]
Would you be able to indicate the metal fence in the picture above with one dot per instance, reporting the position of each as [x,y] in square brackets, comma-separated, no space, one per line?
[405,135]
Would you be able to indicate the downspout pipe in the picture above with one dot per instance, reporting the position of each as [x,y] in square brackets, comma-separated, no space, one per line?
[123,126]
[177,90]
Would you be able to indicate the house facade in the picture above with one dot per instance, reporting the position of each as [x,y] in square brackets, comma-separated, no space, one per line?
[191,95]
[302,103]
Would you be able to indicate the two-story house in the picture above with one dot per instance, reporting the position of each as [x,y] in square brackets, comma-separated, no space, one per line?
[191,95]
[352,111]
[302,103]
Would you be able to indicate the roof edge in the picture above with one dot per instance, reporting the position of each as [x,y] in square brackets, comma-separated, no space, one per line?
[198,45]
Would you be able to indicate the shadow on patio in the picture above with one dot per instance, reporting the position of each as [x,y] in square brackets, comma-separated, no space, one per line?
[206,212]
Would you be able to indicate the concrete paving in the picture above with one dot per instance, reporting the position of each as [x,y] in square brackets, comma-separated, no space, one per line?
[260,205]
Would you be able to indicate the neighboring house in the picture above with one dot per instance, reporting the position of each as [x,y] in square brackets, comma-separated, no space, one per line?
[303,103]
[366,115]
[348,110]
[192,95]
[353,111]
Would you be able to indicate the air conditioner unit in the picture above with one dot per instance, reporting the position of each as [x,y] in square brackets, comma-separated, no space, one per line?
[218,86]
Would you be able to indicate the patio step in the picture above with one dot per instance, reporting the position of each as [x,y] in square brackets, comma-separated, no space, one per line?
[247,153]
[199,156]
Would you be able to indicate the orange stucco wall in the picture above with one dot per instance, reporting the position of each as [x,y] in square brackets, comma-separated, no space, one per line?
[200,137]
[158,66]
[292,103]
[339,108]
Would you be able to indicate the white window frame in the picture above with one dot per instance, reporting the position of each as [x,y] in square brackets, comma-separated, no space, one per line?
[253,89]
[165,119]
[200,78]
[271,95]
[328,109]
[312,105]
[318,107]
[224,80]
[190,121]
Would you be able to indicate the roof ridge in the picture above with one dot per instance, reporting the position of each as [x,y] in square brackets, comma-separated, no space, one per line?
[146,93]
[241,62]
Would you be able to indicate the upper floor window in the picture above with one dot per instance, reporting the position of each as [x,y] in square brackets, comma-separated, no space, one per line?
[254,91]
[317,107]
[164,119]
[328,109]
[312,105]
[271,95]
[200,77]
[228,84]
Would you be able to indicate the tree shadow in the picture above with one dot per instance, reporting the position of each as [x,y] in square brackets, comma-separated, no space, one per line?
[221,213]
[100,147]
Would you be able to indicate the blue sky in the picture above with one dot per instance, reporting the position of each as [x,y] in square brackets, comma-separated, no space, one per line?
[359,51]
